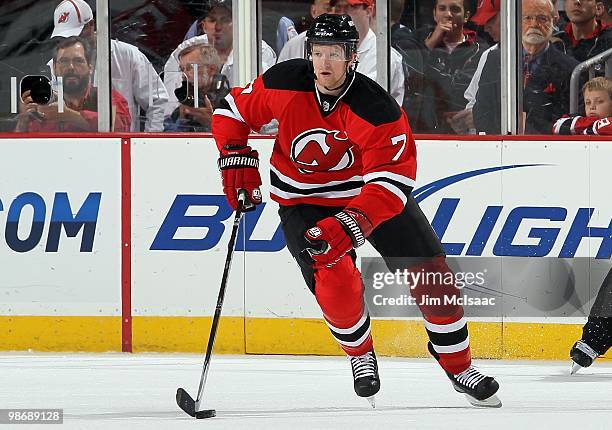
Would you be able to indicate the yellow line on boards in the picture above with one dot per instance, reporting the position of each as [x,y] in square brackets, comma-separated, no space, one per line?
[300,336]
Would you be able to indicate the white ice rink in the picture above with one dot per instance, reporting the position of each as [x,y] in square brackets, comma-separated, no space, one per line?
[122,391]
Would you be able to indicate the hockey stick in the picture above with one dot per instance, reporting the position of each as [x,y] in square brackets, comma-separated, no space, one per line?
[183,399]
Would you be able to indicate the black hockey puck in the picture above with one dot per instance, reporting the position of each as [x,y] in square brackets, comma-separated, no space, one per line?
[207,413]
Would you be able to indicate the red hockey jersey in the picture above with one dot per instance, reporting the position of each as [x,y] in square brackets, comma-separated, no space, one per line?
[355,150]
[583,125]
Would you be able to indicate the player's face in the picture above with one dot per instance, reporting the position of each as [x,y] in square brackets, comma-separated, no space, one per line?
[597,103]
[450,11]
[329,63]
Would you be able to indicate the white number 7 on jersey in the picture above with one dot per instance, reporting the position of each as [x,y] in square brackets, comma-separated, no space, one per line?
[394,141]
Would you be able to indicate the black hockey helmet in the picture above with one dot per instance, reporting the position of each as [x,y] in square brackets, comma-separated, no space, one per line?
[333,29]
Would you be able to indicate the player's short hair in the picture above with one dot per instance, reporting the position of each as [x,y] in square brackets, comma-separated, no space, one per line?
[601,83]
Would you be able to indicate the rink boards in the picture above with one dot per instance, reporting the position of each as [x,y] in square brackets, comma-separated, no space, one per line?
[119,243]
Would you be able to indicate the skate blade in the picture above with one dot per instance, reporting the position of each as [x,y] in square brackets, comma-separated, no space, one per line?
[491,402]
[575,368]
[372,400]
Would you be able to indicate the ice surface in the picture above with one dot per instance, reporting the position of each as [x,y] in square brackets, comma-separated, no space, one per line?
[123,391]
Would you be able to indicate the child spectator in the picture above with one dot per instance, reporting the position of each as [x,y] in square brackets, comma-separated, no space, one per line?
[597,95]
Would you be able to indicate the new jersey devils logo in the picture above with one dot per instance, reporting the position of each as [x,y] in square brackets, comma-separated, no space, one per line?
[63,17]
[320,150]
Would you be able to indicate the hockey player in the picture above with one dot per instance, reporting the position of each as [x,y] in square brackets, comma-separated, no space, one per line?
[597,332]
[342,171]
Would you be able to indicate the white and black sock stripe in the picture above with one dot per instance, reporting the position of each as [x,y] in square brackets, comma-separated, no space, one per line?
[353,336]
[448,338]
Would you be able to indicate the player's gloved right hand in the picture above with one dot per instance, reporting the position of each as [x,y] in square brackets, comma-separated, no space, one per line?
[333,237]
[239,166]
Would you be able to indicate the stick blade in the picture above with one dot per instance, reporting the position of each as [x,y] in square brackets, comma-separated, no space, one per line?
[185,402]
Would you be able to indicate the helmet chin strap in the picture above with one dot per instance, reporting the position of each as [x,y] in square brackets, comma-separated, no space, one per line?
[336,88]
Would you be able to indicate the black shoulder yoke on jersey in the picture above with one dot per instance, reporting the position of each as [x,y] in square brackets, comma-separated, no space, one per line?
[365,98]
[371,102]
[293,75]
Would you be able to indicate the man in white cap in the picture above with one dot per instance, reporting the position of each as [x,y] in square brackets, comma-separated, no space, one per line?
[132,74]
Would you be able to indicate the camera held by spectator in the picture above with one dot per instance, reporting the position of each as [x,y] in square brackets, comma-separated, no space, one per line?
[200,65]
[219,88]
[76,106]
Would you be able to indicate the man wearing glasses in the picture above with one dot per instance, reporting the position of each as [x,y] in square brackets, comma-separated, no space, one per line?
[78,111]
[546,76]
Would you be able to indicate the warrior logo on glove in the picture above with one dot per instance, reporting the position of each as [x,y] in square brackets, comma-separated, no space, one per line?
[239,166]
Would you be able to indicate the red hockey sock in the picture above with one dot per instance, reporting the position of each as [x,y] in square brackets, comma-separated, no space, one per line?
[339,292]
[444,322]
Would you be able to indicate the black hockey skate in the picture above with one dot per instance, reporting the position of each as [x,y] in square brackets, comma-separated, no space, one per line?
[365,375]
[478,389]
[582,355]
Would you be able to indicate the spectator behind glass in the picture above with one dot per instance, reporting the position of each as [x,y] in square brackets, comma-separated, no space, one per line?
[488,17]
[444,58]
[285,31]
[597,95]
[546,76]
[396,9]
[584,36]
[72,61]
[187,117]
[294,48]
[131,72]
[218,27]
[362,14]
[340,6]
[604,12]
[197,27]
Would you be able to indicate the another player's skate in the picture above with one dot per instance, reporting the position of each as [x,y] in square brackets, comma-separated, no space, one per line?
[365,375]
[478,389]
[582,355]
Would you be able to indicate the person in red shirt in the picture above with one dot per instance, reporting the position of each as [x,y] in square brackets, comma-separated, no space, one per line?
[73,63]
[342,170]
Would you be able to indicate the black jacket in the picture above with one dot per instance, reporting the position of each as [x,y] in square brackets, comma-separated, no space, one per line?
[584,49]
[437,79]
[545,97]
